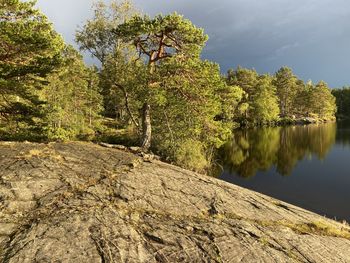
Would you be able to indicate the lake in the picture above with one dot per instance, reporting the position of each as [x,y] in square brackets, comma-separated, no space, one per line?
[308,166]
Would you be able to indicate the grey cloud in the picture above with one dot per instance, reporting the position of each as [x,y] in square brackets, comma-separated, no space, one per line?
[311,36]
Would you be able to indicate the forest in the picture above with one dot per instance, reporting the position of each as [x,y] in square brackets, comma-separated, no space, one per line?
[150,86]
[343,102]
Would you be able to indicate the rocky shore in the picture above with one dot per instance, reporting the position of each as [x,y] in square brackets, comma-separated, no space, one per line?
[81,202]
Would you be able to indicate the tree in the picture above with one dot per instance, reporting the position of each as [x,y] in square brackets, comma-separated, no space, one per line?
[72,99]
[29,50]
[156,40]
[302,99]
[322,102]
[96,36]
[286,86]
[231,102]
[295,98]
[264,106]
[117,57]
[343,101]
[156,66]
[192,105]
[258,102]
[247,80]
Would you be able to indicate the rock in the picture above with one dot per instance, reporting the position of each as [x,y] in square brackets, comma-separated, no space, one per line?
[115,146]
[135,149]
[309,120]
[93,207]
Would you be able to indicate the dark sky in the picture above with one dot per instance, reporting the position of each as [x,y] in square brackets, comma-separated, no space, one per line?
[311,36]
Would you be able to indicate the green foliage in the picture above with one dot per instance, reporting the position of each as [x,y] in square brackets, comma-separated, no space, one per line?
[231,102]
[343,102]
[247,80]
[264,106]
[72,99]
[183,91]
[301,101]
[259,102]
[284,97]
[29,45]
[286,86]
[191,155]
[156,60]
[96,36]
[187,103]
[177,34]
[322,101]
[29,50]
[118,57]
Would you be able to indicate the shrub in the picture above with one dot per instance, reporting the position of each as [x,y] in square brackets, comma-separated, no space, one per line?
[190,154]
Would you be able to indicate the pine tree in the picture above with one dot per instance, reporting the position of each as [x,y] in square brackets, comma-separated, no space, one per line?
[322,102]
[286,86]
[264,106]
[29,50]
[72,99]
[343,102]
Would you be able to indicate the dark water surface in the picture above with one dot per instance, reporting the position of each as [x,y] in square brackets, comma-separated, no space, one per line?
[308,166]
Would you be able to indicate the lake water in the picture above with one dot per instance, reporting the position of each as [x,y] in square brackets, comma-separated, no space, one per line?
[308,166]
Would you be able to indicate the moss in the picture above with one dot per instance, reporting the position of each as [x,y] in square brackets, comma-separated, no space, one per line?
[319,228]
[264,241]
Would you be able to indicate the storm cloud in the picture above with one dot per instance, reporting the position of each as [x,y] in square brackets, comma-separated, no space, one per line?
[311,36]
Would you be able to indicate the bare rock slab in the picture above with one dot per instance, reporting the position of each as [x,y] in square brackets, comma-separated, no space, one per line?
[81,202]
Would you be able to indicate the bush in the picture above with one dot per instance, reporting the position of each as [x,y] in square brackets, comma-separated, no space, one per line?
[60,134]
[190,155]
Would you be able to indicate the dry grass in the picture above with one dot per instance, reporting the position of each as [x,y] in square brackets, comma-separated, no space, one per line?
[41,153]
[34,153]
[318,228]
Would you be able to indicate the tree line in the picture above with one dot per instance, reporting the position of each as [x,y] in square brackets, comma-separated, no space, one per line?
[151,87]
[281,97]
[343,102]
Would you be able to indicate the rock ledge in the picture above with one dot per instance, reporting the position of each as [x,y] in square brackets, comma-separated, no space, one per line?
[80,202]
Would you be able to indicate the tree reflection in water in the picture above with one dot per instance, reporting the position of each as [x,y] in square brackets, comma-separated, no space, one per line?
[261,149]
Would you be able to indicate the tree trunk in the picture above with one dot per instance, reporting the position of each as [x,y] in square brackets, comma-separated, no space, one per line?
[146,127]
[126,97]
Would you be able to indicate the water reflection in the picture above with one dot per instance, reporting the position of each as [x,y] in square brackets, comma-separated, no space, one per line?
[343,133]
[262,149]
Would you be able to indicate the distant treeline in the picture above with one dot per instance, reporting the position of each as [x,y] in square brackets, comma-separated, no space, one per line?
[152,88]
[281,97]
[343,102]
